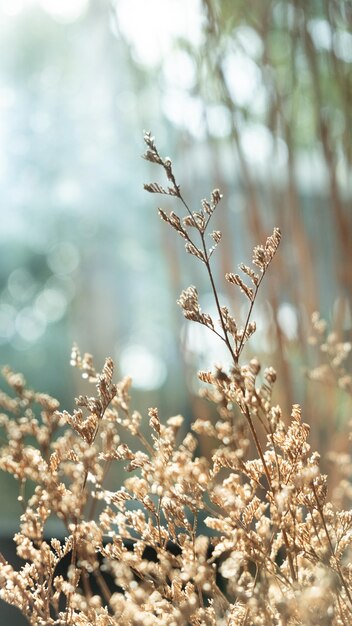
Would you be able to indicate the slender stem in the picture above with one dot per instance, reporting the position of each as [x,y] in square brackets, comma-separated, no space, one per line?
[145,443]
[211,278]
[106,593]
[94,500]
[240,346]
[158,520]
[257,444]
[234,354]
[267,474]
[76,518]
[340,608]
[193,536]
[185,204]
[216,333]
[86,586]
[210,274]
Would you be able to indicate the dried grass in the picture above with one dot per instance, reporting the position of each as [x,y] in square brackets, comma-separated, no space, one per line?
[276,549]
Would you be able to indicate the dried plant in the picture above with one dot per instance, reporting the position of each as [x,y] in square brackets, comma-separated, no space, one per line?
[335,351]
[245,537]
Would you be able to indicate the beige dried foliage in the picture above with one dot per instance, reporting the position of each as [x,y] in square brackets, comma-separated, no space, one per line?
[244,537]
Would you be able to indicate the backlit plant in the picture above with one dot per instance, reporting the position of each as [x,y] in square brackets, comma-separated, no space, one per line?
[246,536]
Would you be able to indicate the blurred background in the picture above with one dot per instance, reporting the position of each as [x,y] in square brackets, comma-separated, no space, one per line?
[251,97]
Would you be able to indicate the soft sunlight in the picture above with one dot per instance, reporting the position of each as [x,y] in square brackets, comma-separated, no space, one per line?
[60,10]
[150,27]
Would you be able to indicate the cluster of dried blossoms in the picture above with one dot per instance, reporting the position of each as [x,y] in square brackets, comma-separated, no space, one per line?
[274,552]
[336,352]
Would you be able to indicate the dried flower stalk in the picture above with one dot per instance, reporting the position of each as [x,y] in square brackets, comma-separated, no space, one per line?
[276,550]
